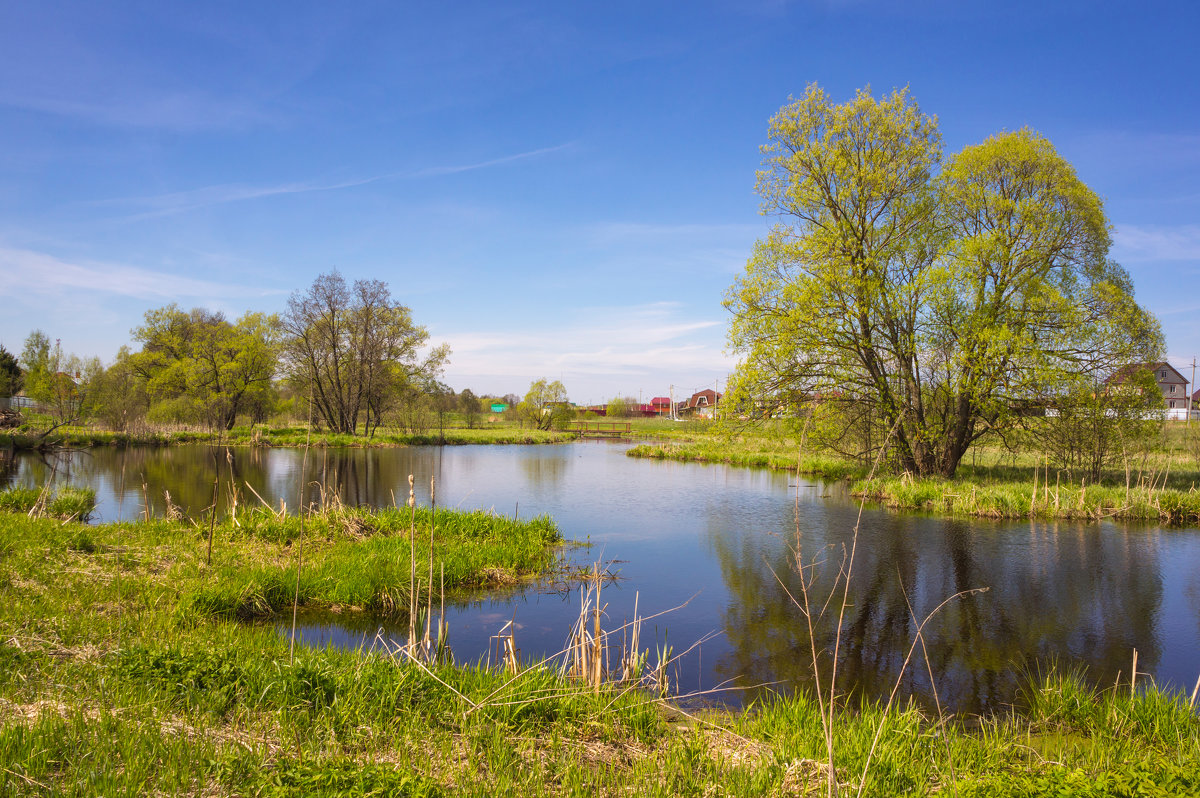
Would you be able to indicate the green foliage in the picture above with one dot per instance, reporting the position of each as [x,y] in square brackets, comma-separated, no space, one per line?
[199,367]
[618,407]
[545,406]
[12,379]
[60,382]
[1091,424]
[924,308]
[470,406]
[119,395]
[35,359]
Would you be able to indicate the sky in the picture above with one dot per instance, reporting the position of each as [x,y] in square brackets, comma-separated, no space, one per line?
[557,190]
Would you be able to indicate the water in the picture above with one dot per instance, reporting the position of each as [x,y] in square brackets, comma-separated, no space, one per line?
[723,541]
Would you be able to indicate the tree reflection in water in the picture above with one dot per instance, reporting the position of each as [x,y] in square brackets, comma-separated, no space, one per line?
[1079,592]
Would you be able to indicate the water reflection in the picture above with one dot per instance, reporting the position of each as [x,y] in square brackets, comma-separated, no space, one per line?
[1084,594]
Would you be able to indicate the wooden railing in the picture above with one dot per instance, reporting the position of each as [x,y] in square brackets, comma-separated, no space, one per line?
[601,428]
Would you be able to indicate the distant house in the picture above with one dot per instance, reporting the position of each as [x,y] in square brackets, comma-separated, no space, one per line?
[661,405]
[1173,385]
[702,404]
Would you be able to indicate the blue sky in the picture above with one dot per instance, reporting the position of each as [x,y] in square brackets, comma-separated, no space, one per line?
[556,189]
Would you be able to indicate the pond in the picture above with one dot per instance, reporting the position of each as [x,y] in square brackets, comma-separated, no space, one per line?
[723,541]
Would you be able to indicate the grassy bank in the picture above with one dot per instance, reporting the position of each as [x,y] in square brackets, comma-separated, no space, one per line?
[1163,485]
[1028,499]
[752,453]
[123,671]
[80,437]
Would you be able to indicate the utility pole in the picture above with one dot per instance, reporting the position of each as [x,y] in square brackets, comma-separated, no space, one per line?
[1191,393]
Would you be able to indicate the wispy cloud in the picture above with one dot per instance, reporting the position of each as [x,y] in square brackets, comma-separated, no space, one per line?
[176,111]
[435,171]
[607,350]
[1158,242]
[25,272]
[182,201]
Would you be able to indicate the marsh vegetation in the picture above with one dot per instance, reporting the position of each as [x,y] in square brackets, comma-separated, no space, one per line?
[126,670]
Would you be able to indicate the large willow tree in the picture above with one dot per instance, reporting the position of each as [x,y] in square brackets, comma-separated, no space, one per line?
[925,302]
[198,366]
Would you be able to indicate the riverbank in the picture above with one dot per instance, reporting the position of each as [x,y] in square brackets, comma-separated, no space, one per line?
[82,437]
[989,485]
[124,670]
[1029,499]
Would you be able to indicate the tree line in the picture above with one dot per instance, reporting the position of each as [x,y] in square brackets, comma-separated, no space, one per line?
[346,355]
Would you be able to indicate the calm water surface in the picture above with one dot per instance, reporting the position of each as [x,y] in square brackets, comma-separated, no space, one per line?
[723,540]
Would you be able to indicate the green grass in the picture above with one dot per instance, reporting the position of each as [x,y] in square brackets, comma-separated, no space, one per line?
[1013,499]
[64,502]
[114,680]
[280,436]
[751,454]
[361,559]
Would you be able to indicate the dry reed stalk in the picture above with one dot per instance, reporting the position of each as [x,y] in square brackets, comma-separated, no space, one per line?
[1133,677]
[631,666]
[1125,459]
[597,642]
[1033,496]
[412,573]
[506,647]
[233,493]
[933,686]
[432,518]
[278,515]
[300,541]
[43,499]
[847,572]
[443,639]
[576,661]
[918,635]
[1195,692]
[117,560]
